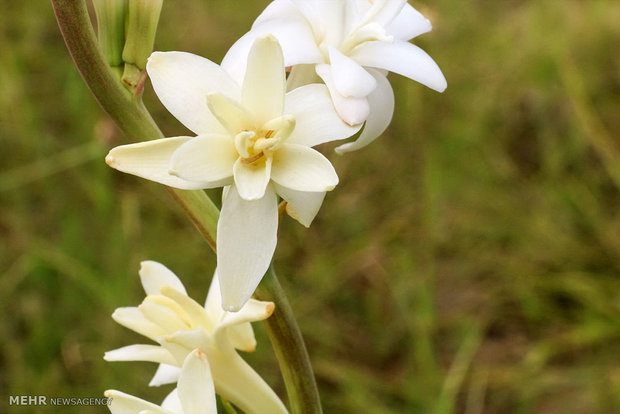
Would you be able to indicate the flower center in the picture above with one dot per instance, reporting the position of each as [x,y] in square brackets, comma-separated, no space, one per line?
[254,145]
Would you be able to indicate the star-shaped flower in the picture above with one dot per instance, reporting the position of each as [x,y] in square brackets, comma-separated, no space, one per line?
[180,325]
[194,394]
[350,45]
[251,136]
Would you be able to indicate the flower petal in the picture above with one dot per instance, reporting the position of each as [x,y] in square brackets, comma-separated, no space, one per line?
[350,79]
[252,179]
[385,11]
[207,159]
[352,110]
[133,318]
[165,374]
[316,118]
[246,241]
[403,58]
[252,311]
[213,303]
[151,353]
[231,114]
[196,390]
[172,401]
[196,314]
[303,206]
[304,169]
[327,19]
[295,37]
[265,81]
[278,9]
[242,337]
[155,275]
[182,82]
[162,315]
[122,403]
[151,160]
[409,24]
[381,102]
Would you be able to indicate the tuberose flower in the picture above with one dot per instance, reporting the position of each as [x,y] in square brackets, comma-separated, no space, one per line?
[180,325]
[194,394]
[251,136]
[350,45]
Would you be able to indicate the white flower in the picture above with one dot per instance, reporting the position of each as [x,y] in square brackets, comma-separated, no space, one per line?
[349,44]
[180,325]
[194,394]
[255,138]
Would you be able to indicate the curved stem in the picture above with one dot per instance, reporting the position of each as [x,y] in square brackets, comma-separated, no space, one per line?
[289,348]
[132,117]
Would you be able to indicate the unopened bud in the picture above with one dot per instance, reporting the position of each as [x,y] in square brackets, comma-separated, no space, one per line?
[111,29]
[142,19]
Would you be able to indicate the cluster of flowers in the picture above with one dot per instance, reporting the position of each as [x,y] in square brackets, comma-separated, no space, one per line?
[255,128]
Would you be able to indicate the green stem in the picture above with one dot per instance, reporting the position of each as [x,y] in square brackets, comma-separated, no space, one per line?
[132,117]
[289,348]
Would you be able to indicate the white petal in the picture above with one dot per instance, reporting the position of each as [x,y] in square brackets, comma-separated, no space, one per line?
[162,315]
[252,179]
[132,318]
[304,169]
[316,118]
[213,303]
[278,9]
[381,110]
[165,374]
[295,37]
[151,353]
[299,76]
[403,58]
[252,311]
[155,275]
[301,205]
[172,402]
[265,81]
[242,337]
[151,160]
[122,403]
[230,113]
[206,158]
[182,82]
[246,240]
[385,11]
[409,24]
[327,18]
[352,110]
[181,343]
[196,314]
[196,390]
[350,79]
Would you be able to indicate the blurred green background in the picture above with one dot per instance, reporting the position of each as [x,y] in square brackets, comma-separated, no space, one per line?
[467,263]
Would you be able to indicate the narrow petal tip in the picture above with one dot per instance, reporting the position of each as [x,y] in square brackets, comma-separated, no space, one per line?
[268,37]
[269,309]
[109,159]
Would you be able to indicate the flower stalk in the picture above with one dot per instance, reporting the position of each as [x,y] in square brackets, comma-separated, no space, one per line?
[289,347]
[135,121]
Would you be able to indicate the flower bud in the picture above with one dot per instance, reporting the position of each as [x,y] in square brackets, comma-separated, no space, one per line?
[142,19]
[111,29]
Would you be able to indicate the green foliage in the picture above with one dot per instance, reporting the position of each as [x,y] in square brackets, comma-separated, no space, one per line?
[467,263]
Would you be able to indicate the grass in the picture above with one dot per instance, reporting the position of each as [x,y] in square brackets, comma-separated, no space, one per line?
[468,262]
